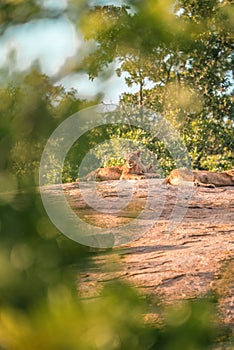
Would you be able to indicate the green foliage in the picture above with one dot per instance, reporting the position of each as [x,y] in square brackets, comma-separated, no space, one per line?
[29,113]
[123,141]
[39,303]
[15,12]
[141,129]
[31,259]
[113,321]
[181,63]
[40,306]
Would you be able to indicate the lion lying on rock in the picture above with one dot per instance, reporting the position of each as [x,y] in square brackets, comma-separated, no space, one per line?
[201,177]
[133,169]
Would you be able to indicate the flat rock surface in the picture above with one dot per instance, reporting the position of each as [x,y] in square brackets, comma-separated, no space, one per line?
[175,243]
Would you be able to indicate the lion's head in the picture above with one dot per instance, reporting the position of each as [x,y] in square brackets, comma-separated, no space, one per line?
[133,159]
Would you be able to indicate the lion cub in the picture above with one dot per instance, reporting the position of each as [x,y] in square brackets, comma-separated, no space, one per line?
[133,169]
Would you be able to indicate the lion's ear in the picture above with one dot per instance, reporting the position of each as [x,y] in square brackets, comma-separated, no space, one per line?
[138,153]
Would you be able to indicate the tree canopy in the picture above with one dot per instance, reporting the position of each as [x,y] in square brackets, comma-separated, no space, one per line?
[180,55]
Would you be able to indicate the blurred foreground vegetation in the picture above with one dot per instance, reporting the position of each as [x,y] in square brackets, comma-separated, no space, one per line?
[40,306]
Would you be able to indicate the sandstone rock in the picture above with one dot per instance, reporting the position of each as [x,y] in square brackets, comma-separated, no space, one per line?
[184,239]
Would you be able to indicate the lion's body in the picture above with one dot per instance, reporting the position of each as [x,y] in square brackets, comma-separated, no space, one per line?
[201,177]
[103,174]
[133,169]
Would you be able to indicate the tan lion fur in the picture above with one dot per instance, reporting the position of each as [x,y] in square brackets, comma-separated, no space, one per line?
[201,177]
[133,169]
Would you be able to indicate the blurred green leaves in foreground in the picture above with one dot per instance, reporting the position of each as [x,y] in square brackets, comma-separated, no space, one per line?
[115,320]
[40,307]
